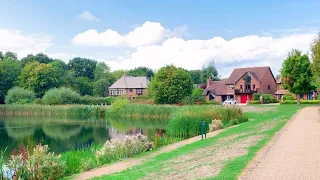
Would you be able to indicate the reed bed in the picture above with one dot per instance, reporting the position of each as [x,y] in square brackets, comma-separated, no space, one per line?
[185,122]
[43,110]
[144,111]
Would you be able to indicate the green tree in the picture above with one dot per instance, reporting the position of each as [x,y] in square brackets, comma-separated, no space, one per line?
[83,67]
[10,56]
[40,57]
[61,70]
[100,70]
[9,72]
[118,74]
[1,55]
[296,73]
[315,55]
[141,71]
[38,77]
[210,71]
[171,85]
[83,85]
[196,76]
[101,87]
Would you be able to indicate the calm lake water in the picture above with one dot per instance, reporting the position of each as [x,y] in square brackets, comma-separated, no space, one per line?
[62,134]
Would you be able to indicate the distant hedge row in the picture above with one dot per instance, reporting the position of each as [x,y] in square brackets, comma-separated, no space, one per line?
[267,98]
[301,102]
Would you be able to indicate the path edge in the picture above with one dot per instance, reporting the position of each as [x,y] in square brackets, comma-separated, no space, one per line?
[266,148]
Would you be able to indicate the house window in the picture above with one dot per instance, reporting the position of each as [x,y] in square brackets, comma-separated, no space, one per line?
[301,96]
[268,87]
[254,86]
[130,90]
[240,86]
[139,91]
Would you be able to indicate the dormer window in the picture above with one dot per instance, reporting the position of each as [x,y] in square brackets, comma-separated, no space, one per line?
[231,86]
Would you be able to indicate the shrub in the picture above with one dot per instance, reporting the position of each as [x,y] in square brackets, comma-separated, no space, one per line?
[301,102]
[90,100]
[267,98]
[185,122]
[254,102]
[115,149]
[287,97]
[118,104]
[40,165]
[163,140]
[19,95]
[61,96]
[196,97]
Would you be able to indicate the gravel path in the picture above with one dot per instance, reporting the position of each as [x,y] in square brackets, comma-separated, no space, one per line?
[293,154]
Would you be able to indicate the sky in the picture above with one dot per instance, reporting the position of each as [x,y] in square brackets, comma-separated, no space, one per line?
[189,34]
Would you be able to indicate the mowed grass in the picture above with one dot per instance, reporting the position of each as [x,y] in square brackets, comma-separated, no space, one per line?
[261,127]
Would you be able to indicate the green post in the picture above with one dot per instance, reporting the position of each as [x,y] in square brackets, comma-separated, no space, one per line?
[203,129]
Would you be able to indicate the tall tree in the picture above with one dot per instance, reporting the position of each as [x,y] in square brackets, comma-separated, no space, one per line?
[296,74]
[315,55]
[40,57]
[118,74]
[38,77]
[196,76]
[61,70]
[1,55]
[210,71]
[141,71]
[83,67]
[83,85]
[100,70]
[10,70]
[170,85]
[10,56]
[101,87]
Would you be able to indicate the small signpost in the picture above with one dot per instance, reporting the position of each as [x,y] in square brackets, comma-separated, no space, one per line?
[203,129]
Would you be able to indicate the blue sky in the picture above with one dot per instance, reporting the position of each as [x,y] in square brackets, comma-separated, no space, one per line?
[225,31]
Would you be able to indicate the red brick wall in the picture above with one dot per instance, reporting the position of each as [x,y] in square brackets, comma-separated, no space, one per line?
[268,79]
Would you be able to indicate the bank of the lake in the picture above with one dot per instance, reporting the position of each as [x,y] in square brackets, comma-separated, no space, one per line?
[151,120]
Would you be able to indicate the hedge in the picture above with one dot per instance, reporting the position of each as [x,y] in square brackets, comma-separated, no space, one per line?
[301,102]
[254,102]
[267,98]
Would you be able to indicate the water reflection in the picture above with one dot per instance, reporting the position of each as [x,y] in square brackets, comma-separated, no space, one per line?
[62,134]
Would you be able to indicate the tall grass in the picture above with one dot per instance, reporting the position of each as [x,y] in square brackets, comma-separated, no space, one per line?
[144,111]
[43,110]
[185,122]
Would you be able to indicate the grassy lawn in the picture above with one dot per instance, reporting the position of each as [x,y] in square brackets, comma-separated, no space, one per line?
[221,157]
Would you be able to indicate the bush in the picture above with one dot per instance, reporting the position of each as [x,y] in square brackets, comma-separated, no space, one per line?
[287,97]
[115,149]
[19,95]
[89,100]
[254,102]
[163,140]
[267,98]
[61,96]
[41,164]
[301,102]
[196,97]
[118,104]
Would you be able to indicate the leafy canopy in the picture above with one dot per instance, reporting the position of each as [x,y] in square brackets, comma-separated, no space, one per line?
[171,85]
[296,73]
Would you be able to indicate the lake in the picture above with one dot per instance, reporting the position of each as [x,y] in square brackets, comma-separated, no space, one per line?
[62,134]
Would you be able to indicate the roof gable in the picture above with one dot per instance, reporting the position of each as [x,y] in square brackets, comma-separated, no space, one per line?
[217,88]
[257,73]
[130,82]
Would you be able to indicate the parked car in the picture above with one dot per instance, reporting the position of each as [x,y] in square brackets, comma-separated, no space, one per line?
[229,101]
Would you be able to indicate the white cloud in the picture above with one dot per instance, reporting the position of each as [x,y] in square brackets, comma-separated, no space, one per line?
[242,51]
[86,15]
[22,44]
[148,34]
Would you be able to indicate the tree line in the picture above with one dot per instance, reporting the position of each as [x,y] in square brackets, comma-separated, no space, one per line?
[40,73]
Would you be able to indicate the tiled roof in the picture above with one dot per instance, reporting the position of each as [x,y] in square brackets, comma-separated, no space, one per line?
[217,88]
[256,72]
[281,91]
[130,82]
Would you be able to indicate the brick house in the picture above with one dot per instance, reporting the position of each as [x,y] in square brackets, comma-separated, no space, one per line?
[129,86]
[280,92]
[241,85]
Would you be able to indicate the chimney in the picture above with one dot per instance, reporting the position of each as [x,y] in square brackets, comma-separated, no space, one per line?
[209,81]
